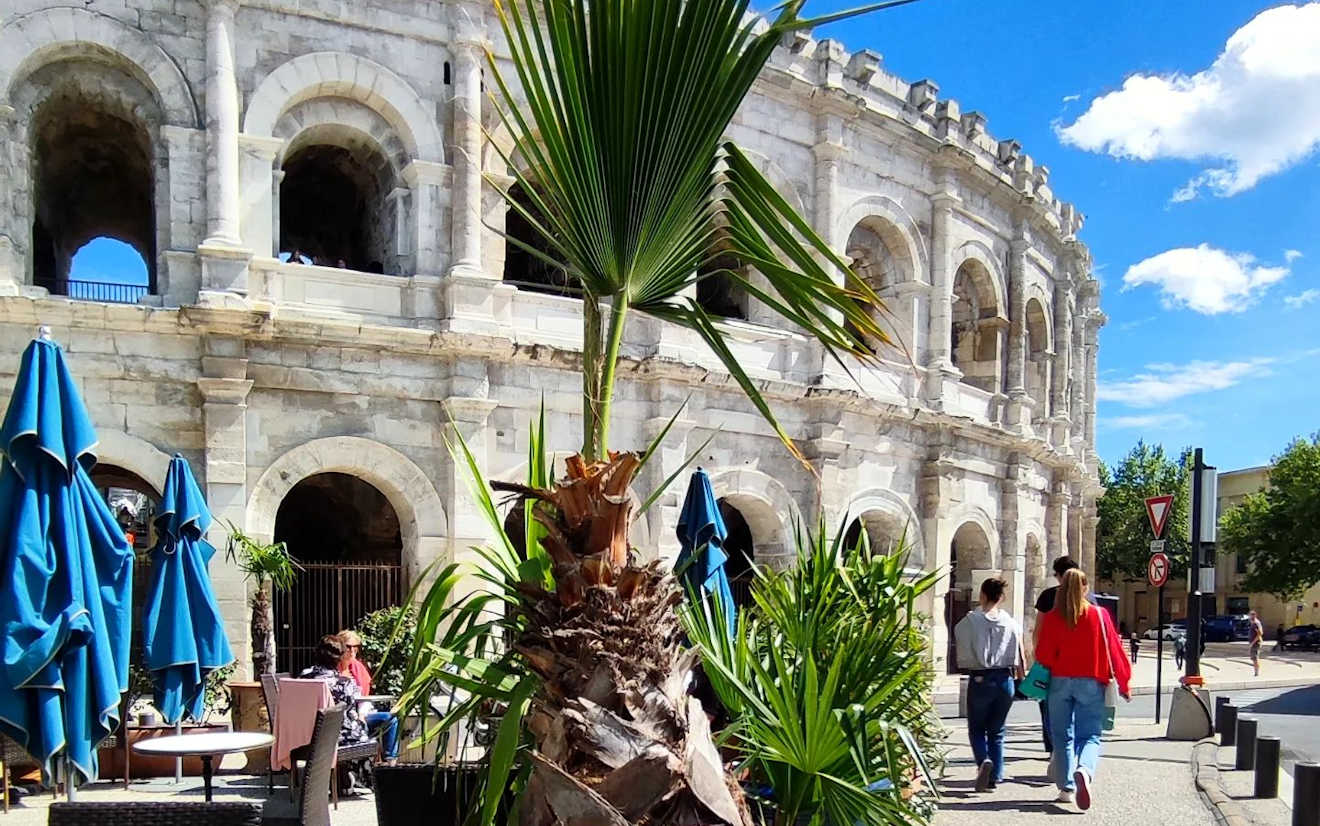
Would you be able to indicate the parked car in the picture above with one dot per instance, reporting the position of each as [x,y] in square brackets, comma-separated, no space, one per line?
[1172,630]
[1302,636]
[1227,629]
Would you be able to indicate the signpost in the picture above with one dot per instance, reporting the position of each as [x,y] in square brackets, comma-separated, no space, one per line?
[1157,510]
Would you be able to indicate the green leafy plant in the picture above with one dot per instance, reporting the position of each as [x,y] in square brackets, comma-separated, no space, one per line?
[828,684]
[384,649]
[219,698]
[271,567]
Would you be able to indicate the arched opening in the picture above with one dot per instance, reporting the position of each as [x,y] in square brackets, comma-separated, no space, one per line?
[1037,377]
[346,535]
[970,559]
[977,330]
[741,551]
[884,532]
[134,502]
[334,208]
[93,178]
[880,258]
[523,267]
[720,293]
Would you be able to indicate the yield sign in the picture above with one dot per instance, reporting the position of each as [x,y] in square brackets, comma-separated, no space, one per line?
[1157,510]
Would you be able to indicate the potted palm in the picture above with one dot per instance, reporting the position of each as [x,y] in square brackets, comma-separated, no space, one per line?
[635,196]
[270,567]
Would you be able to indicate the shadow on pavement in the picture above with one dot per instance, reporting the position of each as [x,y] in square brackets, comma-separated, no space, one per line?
[1301,701]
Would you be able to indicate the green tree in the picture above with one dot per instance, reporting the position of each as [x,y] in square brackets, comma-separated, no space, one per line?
[1277,531]
[1123,535]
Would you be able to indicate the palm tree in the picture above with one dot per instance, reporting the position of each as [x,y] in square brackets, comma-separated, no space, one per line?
[272,568]
[633,190]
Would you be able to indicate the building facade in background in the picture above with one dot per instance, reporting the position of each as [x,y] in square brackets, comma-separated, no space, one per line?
[327,290]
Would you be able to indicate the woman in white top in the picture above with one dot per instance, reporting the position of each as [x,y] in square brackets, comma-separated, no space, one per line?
[989,644]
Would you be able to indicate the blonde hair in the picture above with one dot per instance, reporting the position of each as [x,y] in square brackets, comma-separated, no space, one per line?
[1071,597]
[350,637]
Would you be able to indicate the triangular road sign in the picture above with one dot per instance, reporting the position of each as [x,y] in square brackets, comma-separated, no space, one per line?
[1157,510]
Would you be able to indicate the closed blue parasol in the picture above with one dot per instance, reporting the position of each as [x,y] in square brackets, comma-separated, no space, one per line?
[67,573]
[702,534]
[183,635]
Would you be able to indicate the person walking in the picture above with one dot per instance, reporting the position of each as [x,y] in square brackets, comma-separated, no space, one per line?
[1045,604]
[1257,638]
[989,645]
[1081,649]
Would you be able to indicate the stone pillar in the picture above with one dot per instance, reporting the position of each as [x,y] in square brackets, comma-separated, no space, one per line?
[224,386]
[276,181]
[466,235]
[468,416]
[1062,362]
[1077,372]
[935,495]
[1011,544]
[222,187]
[1019,403]
[1089,522]
[429,184]
[14,264]
[939,358]
[1074,521]
[1056,521]
[259,217]
[1092,345]
[829,149]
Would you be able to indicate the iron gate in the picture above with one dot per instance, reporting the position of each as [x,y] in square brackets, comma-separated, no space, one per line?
[326,598]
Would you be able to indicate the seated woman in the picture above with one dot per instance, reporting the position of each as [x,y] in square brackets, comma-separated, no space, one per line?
[379,723]
[329,659]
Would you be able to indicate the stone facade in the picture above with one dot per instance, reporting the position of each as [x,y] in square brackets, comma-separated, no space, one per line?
[978,437]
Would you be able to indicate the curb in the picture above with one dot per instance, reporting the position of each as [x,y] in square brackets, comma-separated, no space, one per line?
[1205,769]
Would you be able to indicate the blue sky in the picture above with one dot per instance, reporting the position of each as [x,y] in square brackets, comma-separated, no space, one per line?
[1197,174]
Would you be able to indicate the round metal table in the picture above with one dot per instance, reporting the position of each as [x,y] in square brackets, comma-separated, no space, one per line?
[205,746]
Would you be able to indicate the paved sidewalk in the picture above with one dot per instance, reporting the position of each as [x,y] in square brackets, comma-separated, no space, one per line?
[1142,779]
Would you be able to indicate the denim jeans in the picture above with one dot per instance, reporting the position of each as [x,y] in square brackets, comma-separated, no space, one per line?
[384,725]
[989,699]
[1077,717]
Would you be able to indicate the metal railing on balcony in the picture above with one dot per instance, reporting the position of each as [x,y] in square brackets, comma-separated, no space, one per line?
[107,291]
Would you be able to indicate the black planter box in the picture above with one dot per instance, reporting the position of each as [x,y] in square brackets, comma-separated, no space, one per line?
[420,794]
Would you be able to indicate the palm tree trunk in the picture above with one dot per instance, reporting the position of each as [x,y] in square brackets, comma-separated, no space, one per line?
[263,632]
[591,371]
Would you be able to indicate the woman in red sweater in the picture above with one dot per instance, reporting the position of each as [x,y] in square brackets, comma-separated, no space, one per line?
[1080,647]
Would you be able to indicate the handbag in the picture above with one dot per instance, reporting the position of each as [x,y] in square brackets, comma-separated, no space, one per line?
[1111,688]
[1036,686]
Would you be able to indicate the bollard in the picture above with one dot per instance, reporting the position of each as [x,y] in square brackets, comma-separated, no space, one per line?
[1246,744]
[1306,794]
[1228,733]
[1220,702]
[1267,767]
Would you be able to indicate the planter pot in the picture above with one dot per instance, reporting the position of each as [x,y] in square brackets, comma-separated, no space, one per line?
[249,714]
[419,794]
[144,765]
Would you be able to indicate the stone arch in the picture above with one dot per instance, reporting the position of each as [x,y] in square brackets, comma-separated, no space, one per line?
[1034,579]
[900,226]
[1037,353]
[775,174]
[984,256]
[338,74]
[32,40]
[898,512]
[770,511]
[974,514]
[138,456]
[329,114]
[422,520]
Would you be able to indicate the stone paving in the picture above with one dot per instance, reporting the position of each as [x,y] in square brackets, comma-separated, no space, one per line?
[1142,779]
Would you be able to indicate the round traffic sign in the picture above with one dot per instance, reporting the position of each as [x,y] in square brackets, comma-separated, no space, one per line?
[1158,569]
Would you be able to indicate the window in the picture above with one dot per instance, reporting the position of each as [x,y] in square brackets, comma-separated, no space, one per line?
[1239,563]
[1235,606]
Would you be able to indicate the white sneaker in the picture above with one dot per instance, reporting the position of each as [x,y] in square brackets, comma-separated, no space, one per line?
[1065,796]
[1083,780]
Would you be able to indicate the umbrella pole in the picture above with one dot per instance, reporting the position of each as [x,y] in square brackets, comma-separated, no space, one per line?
[178,761]
[70,788]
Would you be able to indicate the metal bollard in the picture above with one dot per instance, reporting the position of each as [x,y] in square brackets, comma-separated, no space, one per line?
[1267,767]
[1306,794]
[1228,731]
[1220,702]
[1246,744]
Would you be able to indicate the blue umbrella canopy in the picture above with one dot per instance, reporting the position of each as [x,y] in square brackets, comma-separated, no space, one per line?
[701,533]
[183,634]
[67,571]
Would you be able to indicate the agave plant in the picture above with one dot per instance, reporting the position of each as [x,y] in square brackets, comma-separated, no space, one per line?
[828,683]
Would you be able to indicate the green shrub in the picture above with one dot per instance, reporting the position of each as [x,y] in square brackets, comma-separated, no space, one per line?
[386,635]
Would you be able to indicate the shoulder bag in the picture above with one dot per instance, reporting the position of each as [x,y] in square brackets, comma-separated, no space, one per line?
[1111,688]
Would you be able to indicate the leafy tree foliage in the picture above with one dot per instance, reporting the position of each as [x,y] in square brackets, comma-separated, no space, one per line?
[1277,531]
[1123,535]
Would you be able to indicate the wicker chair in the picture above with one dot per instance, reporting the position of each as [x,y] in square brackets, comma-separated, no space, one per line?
[154,814]
[313,802]
[368,750]
[270,693]
[9,753]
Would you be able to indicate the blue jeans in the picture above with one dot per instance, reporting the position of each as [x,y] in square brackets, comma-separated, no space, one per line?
[385,726]
[1077,718]
[989,699]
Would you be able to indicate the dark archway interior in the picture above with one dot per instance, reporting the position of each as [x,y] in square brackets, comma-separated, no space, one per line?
[331,207]
[741,552]
[335,517]
[521,267]
[718,292]
[92,172]
[134,503]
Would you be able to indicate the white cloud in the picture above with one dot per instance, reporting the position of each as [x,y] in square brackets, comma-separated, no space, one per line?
[1150,421]
[1123,327]
[1071,98]
[1254,112]
[1291,255]
[1296,302]
[1204,279]
[1162,383]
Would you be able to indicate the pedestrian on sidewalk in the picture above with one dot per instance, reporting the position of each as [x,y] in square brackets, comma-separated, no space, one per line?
[989,644]
[1257,637]
[1081,649]
[1045,604]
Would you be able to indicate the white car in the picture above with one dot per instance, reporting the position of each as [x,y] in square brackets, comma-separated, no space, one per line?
[1172,631]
